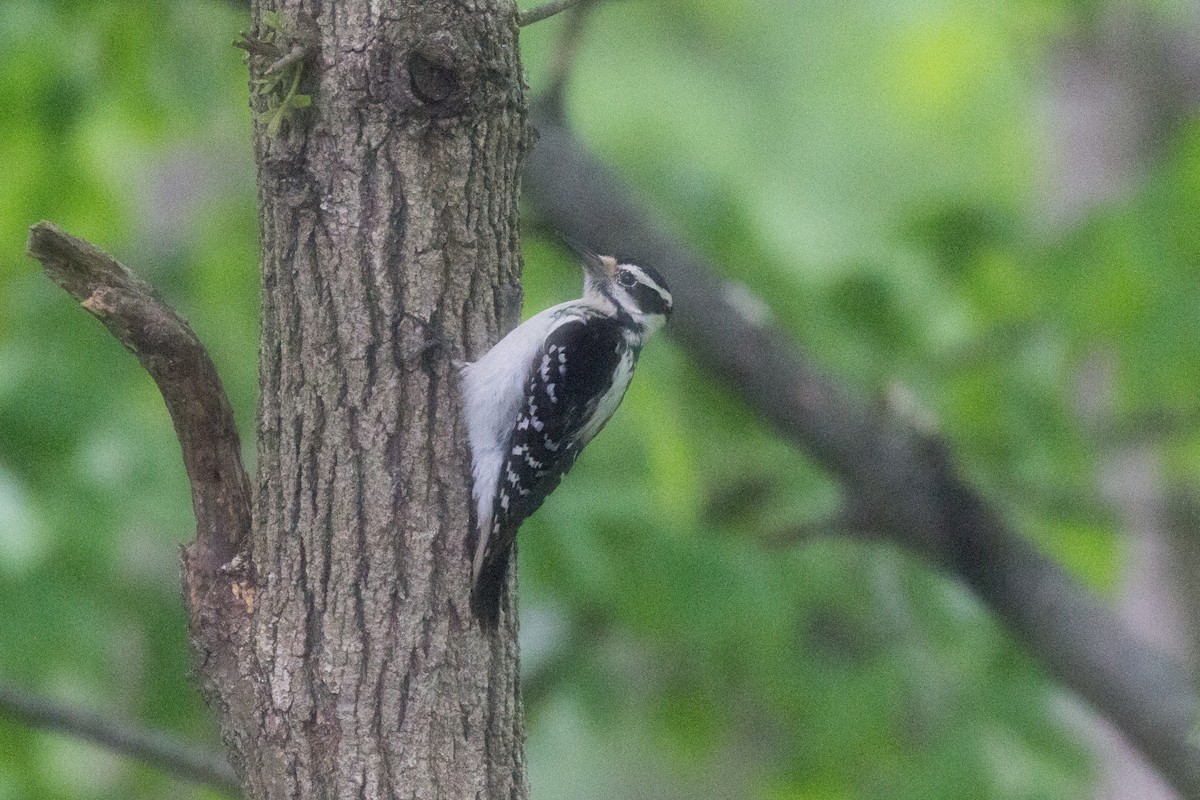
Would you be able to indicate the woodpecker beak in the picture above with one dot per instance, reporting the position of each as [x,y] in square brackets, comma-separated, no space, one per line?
[602,268]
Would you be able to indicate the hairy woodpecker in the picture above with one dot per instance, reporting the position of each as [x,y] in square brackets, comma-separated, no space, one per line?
[540,395]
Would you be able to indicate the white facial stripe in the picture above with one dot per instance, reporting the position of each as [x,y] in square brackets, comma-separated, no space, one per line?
[647,280]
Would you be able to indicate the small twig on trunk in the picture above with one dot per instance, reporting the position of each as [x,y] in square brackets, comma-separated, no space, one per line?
[539,13]
[157,748]
[298,53]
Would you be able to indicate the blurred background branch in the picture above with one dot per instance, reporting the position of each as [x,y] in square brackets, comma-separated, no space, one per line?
[562,59]
[905,476]
[159,749]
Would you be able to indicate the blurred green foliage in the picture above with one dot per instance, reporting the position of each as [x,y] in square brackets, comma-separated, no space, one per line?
[871,169]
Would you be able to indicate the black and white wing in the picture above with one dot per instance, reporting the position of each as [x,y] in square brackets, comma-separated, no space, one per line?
[569,397]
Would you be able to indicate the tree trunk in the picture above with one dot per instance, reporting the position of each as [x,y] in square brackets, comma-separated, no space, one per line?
[348,663]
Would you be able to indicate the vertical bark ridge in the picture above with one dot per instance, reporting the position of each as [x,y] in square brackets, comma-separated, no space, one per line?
[389,246]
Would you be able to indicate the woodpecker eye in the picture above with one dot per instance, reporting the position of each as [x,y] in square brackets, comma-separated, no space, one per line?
[625,278]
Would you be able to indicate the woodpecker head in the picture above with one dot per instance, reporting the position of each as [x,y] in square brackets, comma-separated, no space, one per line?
[637,295]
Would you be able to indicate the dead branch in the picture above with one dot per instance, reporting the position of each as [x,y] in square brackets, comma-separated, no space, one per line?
[218,582]
[179,364]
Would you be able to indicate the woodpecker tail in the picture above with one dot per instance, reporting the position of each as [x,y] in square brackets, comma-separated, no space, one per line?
[488,587]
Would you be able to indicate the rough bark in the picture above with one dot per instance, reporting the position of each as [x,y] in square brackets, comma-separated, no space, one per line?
[389,247]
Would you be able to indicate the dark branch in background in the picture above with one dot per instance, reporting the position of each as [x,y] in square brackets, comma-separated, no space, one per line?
[179,364]
[563,58]
[902,476]
[156,748]
[539,13]
[587,634]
